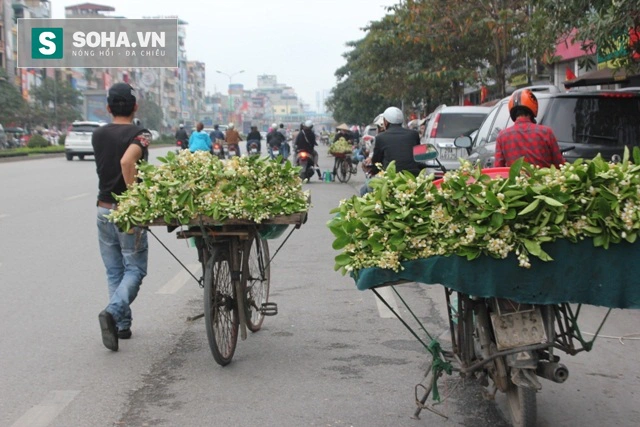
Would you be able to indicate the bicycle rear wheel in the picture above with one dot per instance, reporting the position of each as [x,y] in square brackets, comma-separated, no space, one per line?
[344,170]
[258,282]
[220,307]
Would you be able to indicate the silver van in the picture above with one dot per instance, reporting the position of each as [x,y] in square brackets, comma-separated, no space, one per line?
[446,124]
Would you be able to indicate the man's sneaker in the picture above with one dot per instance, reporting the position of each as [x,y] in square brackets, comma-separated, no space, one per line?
[109,330]
[124,334]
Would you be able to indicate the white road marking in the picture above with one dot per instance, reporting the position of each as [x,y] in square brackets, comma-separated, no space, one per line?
[3,215]
[388,295]
[77,196]
[179,280]
[41,415]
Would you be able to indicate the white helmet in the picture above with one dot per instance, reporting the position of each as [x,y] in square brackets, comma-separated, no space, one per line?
[393,115]
[230,126]
[308,124]
[274,126]
[378,121]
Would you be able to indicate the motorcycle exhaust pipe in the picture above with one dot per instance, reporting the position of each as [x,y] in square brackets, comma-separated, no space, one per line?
[555,372]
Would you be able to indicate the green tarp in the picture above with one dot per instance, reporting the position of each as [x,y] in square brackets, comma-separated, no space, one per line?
[580,273]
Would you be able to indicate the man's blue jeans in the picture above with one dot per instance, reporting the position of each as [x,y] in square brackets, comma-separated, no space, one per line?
[125,259]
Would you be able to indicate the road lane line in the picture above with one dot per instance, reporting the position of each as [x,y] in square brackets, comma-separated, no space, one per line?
[41,415]
[77,196]
[388,295]
[3,215]
[179,280]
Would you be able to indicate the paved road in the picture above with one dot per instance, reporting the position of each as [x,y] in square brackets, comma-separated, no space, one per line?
[331,357]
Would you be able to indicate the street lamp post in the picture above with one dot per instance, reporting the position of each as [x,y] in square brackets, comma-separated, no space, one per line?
[229,88]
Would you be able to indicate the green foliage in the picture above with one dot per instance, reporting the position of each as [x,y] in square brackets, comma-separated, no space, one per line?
[596,23]
[57,102]
[37,141]
[164,140]
[470,214]
[188,185]
[26,151]
[341,146]
[150,114]
[12,103]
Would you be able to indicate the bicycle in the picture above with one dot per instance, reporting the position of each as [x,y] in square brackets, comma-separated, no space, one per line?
[236,276]
[343,167]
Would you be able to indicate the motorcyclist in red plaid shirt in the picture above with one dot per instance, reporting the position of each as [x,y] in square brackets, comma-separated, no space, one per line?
[536,143]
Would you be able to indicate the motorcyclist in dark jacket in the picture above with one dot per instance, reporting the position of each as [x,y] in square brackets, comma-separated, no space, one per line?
[254,136]
[183,137]
[306,141]
[396,144]
[275,139]
[216,134]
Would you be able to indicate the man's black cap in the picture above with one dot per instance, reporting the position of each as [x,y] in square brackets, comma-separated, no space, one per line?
[121,92]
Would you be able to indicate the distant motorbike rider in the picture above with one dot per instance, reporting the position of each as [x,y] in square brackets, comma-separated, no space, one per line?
[275,139]
[306,141]
[216,134]
[183,137]
[254,136]
[232,138]
[199,140]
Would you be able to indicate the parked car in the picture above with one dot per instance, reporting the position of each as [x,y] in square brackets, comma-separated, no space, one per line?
[446,123]
[78,140]
[593,122]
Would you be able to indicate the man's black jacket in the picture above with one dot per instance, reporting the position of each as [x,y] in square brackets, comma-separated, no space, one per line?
[396,143]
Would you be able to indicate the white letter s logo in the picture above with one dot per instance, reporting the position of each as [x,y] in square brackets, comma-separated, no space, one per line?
[49,47]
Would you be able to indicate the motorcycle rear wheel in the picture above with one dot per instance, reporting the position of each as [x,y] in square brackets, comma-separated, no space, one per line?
[522,406]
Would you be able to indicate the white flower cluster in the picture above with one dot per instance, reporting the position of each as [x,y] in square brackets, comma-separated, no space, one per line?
[189,185]
[471,214]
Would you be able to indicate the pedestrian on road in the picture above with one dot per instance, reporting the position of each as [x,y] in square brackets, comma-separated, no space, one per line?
[536,143]
[118,147]
[199,140]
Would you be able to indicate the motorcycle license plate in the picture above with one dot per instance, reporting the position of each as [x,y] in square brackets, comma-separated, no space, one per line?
[518,329]
[276,152]
[216,151]
[232,153]
[254,151]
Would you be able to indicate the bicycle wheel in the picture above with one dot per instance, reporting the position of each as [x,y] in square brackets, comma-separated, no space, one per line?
[220,307]
[343,170]
[258,283]
[522,406]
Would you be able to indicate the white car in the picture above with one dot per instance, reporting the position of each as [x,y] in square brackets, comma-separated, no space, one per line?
[446,124]
[78,140]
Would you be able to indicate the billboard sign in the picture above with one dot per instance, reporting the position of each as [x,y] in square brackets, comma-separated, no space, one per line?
[97,43]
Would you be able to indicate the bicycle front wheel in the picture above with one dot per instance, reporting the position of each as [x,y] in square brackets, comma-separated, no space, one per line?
[258,283]
[220,307]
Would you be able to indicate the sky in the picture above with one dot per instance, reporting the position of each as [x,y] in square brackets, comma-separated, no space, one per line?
[300,41]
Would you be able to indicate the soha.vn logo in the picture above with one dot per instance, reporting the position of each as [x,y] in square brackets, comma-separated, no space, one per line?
[46,43]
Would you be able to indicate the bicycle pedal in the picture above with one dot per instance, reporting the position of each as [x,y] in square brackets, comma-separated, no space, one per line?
[269,308]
